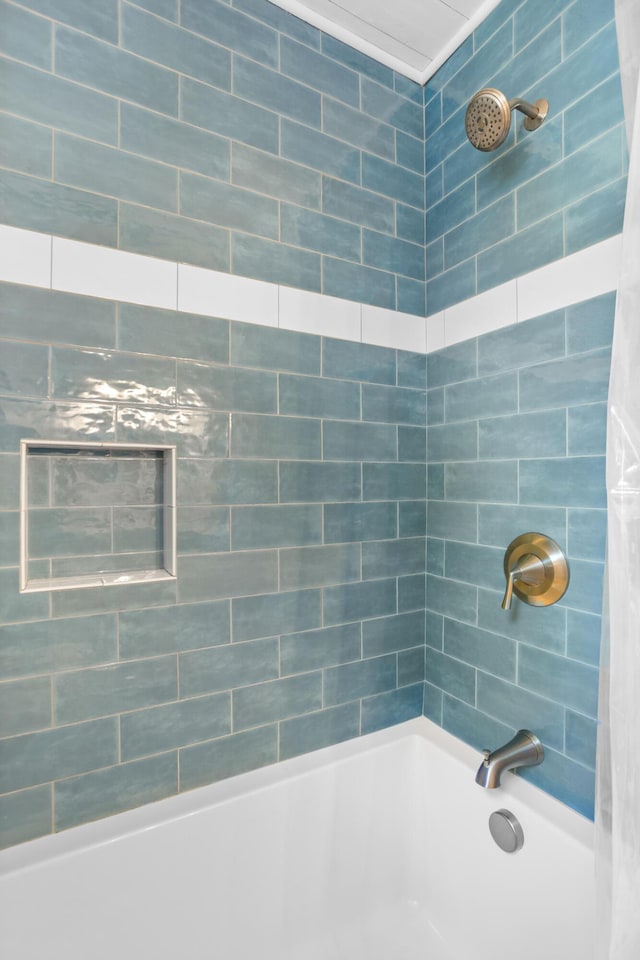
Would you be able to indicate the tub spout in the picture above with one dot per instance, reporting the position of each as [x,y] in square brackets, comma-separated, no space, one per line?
[524,750]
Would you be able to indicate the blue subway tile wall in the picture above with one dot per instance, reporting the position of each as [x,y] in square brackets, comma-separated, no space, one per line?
[297,619]
[541,196]
[534,464]
[229,135]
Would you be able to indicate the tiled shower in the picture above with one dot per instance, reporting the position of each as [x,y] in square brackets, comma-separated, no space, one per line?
[343,507]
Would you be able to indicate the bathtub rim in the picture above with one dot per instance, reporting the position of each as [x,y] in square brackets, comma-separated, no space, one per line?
[151,816]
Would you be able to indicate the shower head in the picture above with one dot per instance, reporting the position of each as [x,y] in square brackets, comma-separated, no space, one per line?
[488,117]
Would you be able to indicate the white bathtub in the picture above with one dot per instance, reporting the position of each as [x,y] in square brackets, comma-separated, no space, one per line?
[376,849]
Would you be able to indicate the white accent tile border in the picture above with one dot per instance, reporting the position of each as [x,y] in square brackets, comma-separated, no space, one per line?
[39,260]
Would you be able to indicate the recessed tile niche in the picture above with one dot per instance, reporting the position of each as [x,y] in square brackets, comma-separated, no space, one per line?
[96,514]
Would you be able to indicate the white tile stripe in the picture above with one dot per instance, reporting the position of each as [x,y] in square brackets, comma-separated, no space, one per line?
[39,260]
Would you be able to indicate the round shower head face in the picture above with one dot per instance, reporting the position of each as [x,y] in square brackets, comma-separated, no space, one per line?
[488,119]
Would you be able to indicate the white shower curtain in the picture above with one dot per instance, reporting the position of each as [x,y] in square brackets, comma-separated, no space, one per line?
[618,773]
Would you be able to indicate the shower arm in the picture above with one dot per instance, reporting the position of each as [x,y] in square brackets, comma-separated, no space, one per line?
[530,109]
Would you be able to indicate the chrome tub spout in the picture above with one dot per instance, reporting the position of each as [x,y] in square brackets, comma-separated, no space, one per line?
[523,750]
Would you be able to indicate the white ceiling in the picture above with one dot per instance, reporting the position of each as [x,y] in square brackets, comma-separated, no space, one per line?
[414,37]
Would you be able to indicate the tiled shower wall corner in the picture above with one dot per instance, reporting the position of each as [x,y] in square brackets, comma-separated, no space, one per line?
[543,195]
[298,616]
[516,443]
[232,136]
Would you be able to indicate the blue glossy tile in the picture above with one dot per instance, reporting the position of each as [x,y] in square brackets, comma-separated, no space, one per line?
[434,187]
[584,631]
[493,21]
[160,234]
[163,8]
[435,557]
[518,164]
[229,116]
[103,375]
[535,246]
[172,334]
[433,114]
[275,263]
[65,421]
[25,705]
[590,324]
[481,231]
[410,152]
[593,62]
[457,206]
[410,223]
[228,756]
[587,534]
[353,282]
[432,703]
[319,482]
[546,630]
[455,521]
[596,217]
[173,142]
[452,364]
[451,287]
[606,108]
[346,54]
[358,441]
[387,481]
[215,576]
[99,19]
[490,481]
[53,208]
[390,634]
[488,652]
[358,129]
[346,522]
[411,668]
[585,590]
[9,537]
[473,563]
[472,726]
[319,71]
[53,645]
[389,558]
[281,438]
[275,92]
[228,666]
[10,481]
[316,649]
[227,482]
[497,523]
[452,599]
[412,592]
[318,566]
[165,630]
[25,37]
[390,180]
[389,253]
[390,708]
[322,152]
[316,397]
[273,349]
[173,47]
[268,615]
[408,88]
[378,101]
[450,675]
[59,532]
[196,432]
[226,388]
[25,146]
[231,28]
[360,679]
[276,526]
[412,370]
[101,691]
[277,700]
[542,338]
[316,730]
[393,405]
[573,178]
[281,20]
[514,706]
[25,815]
[564,681]
[315,231]
[412,444]
[80,602]
[453,441]
[363,207]
[561,383]
[358,361]
[581,736]
[203,529]
[434,630]
[582,20]
[570,782]
[435,258]
[159,729]
[574,482]
[274,176]
[522,435]
[53,754]
[435,481]
[357,601]
[477,70]
[23,370]
[227,206]
[115,71]
[105,792]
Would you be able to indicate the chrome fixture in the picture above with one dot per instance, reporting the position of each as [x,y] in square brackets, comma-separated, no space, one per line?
[536,570]
[488,117]
[523,750]
[506,830]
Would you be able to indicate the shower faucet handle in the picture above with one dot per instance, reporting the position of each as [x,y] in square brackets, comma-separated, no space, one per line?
[528,569]
[536,570]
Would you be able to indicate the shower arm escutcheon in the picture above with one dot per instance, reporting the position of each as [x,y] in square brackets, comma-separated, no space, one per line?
[536,570]
[535,112]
